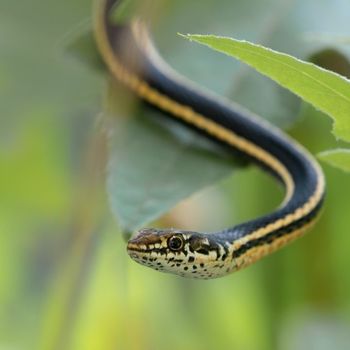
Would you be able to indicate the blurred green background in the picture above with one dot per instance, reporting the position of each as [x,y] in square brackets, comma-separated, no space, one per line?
[66,281]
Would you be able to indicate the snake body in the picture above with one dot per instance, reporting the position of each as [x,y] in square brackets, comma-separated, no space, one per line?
[131,58]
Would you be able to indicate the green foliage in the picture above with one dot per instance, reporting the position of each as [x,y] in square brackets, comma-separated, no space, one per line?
[339,158]
[156,201]
[152,165]
[325,90]
[66,281]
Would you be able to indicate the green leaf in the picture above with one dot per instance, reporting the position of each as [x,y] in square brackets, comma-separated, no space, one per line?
[284,25]
[327,91]
[339,158]
[155,163]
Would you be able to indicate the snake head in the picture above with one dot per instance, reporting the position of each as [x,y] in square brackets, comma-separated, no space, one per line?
[185,253]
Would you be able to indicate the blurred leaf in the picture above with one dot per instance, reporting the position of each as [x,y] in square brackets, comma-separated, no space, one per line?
[339,158]
[327,91]
[84,48]
[155,163]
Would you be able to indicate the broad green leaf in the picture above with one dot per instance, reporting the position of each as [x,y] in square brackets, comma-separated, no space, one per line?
[284,25]
[327,91]
[151,168]
[339,158]
[155,163]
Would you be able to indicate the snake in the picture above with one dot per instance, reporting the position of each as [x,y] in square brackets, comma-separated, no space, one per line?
[132,59]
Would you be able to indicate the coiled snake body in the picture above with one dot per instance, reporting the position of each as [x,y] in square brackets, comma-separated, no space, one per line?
[131,58]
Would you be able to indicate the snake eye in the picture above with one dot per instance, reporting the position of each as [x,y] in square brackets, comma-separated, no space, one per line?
[175,243]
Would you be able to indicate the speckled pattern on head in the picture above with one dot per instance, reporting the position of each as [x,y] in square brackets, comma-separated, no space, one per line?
[185,253]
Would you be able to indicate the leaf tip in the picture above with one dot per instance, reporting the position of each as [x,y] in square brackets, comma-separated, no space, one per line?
[185,36]
[192,37]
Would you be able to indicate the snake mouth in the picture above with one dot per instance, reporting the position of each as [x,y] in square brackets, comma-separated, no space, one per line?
[132,247]
[136,248]
[147,241]
[135,251]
